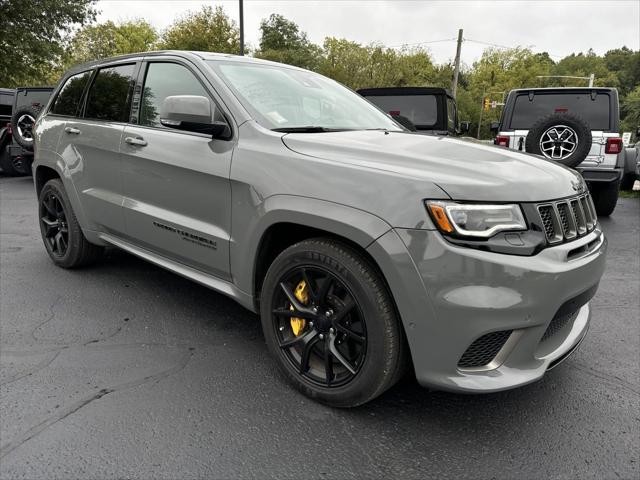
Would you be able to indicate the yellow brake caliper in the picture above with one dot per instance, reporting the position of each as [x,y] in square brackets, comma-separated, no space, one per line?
[301,293]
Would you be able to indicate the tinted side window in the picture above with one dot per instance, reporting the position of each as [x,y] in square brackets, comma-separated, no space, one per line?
[110,94]
[595,112]
[68,99]
[163,80]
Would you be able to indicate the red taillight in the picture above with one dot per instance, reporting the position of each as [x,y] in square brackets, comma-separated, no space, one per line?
[9,129]
[502,141]
[614,145]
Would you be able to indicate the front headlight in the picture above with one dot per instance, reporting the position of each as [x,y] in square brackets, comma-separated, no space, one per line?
[475,220]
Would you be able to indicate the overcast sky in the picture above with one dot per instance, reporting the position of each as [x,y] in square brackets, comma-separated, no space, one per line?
[559,27]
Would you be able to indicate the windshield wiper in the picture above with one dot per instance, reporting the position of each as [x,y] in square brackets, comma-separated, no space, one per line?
[308,129]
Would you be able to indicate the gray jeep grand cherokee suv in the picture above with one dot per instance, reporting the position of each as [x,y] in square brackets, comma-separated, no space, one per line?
[361,245]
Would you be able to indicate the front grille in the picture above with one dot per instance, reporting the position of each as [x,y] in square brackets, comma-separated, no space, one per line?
[484,349]
[558,324]
[568,219]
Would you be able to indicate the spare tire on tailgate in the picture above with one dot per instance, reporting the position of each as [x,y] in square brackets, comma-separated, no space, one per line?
[562,137]
[22,122]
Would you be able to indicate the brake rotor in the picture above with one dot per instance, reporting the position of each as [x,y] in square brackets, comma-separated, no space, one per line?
[302,294]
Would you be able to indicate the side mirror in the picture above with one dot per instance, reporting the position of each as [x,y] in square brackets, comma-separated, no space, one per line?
[192,113]
[495,127]
[465,127]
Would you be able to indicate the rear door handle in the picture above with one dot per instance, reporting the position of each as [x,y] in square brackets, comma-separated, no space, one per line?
[138,141]
[72,130]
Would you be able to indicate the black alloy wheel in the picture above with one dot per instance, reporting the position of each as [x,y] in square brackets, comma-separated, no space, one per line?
[54,224]
[61,233]
[331,324]
[331,345]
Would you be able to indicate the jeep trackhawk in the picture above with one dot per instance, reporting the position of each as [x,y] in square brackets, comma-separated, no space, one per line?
[361,245]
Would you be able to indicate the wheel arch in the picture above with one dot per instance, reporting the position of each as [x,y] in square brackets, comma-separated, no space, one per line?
[287,220]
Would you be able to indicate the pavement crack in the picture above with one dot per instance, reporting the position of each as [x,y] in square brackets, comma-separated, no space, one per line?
[606,378]
[68,410]
[40,366]
[51,316]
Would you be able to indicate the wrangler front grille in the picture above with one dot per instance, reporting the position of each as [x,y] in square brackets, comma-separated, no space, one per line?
[565,220]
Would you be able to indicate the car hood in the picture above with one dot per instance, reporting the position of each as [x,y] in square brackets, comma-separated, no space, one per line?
[463,169]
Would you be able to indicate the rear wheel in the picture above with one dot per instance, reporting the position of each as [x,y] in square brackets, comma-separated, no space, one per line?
[628,180]
[6,163]
[605,197]
[330,322]
[61,233]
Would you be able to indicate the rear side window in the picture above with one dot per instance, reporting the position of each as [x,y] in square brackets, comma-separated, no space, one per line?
[594,111]
[422,110]
[68,99]
[110,94]
[164,80]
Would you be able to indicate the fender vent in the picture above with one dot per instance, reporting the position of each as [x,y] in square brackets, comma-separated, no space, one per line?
[484,349]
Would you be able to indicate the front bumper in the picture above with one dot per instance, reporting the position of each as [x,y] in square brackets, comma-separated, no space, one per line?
[449,296]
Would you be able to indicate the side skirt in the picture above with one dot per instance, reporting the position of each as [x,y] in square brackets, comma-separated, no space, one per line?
[214,283]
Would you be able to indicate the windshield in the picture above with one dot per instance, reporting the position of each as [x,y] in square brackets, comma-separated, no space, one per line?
[594,110]
[282,98]
[422,110]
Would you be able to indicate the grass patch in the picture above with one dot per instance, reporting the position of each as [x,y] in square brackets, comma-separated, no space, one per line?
[630,193]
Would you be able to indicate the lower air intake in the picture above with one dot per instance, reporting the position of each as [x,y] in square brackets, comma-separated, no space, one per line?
[484,349]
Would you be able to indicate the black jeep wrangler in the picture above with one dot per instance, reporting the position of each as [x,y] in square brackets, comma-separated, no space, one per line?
[425,110]
[18,111]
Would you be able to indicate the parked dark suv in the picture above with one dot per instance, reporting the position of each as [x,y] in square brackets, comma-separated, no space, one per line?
[360,244]
[19,109]
[425,110]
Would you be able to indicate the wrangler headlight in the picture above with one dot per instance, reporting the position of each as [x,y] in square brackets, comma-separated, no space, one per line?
[475,220]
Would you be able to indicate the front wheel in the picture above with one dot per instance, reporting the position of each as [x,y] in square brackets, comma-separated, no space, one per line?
[329,320]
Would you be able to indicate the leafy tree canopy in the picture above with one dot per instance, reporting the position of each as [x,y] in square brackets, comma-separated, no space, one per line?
[208,30]
[109,39]
[34,35]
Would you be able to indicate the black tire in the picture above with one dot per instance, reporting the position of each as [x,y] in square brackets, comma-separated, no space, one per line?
[381,354]
[628,180]
[6,163]
[56,218]
[22,122]
[605,197]
[572,125]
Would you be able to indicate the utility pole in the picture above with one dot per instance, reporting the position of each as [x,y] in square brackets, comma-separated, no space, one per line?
[241,30]
[456,70]
[484,91]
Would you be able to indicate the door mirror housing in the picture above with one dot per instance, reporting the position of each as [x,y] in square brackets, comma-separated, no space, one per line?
[465,126]
[495,127]
[192,113]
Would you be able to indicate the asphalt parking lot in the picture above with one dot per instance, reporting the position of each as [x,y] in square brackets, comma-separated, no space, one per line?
[124,370]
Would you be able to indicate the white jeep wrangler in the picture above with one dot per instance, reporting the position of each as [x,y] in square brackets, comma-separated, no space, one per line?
[578,127]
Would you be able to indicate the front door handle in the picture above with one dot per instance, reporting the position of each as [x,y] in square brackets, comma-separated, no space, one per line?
[138,141]
[72,130]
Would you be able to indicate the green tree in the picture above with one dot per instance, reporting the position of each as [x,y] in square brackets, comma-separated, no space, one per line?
[281,40]
[631,111]
[34,35]
[109,39]
[208,30]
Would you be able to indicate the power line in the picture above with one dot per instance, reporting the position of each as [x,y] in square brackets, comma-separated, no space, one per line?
[421,43]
